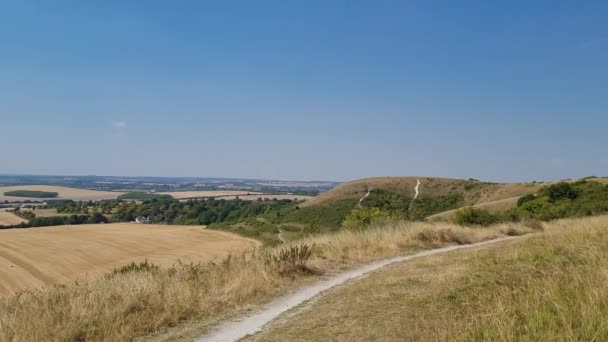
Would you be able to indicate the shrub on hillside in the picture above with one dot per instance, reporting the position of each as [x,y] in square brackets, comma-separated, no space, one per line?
[387,200]
[361,218]
[412,209]
[525,199]
[474,217]
[326,215]
[433,205]
[561,191]
[563,200]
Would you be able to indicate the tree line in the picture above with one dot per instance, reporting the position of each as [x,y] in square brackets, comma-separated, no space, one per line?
[36,221]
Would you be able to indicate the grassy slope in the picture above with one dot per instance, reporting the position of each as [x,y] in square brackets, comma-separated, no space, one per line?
[546,287]
[493,207]
[473,192]
[137,304]
[326,215]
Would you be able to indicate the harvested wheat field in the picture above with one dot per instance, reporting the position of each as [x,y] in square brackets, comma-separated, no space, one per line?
[9,219]
[64,193]
[206,194]
[35,257]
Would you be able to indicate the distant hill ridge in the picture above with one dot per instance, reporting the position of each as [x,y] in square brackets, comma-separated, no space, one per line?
[472,191]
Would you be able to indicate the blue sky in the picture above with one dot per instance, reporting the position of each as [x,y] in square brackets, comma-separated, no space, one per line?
[330,90]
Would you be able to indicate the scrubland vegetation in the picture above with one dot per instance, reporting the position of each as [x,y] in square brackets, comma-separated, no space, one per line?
[138,301]
[382,206]
[545,287]
[561,200]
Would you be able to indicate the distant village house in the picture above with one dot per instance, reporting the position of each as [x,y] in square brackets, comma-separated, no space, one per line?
[142,219]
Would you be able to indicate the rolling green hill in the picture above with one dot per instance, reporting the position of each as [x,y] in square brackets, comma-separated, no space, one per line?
[436,196]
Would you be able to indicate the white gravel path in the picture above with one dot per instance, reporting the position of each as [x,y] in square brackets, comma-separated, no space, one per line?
[239,328]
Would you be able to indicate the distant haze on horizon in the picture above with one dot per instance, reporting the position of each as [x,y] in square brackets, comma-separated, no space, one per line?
[316,91]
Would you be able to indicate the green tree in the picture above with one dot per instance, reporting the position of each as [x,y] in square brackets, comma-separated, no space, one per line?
[561,191]
[362,218]
[525,199]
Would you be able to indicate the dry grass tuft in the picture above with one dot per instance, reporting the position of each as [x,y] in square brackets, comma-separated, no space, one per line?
[290,259]
[151,300]
[534,225]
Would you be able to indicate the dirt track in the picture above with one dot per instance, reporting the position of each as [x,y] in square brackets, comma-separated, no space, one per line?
[237,329]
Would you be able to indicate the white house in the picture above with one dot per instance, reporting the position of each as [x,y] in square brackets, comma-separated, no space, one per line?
[142,219]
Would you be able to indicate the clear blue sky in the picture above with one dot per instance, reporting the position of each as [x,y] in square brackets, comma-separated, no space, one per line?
[331,90]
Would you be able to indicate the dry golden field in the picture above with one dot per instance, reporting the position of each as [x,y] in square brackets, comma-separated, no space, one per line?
[208,193]
[64,193]
[35,257]
[9,219]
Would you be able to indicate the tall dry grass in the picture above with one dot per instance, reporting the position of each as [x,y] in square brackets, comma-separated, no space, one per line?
[553,287]
[546,287]
[126,305]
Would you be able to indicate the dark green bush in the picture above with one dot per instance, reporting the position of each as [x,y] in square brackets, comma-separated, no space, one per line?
[561,191]
[524,199]
[475,217]
[31,193]
[433,205]
[386,200]
[325,215]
